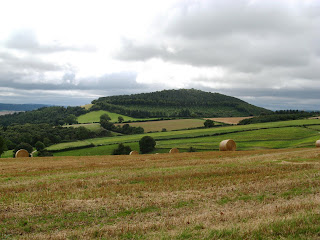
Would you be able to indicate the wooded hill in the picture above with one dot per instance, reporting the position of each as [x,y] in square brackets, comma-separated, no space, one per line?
[167,103]
[51,115]
[177,103]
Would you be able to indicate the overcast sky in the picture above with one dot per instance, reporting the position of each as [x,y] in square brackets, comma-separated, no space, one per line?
[69,52]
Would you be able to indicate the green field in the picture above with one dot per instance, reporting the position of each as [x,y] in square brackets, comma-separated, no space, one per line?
[7,154]
[93,117]
[287,134]
[95,127]
[96,151]
[287,137]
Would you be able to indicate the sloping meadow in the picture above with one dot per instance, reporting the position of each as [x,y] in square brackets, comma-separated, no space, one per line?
[286,134]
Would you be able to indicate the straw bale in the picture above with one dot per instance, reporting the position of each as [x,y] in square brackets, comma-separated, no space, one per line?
[133,153]
[227,145]
[318,143]
[174,150]
[22,153]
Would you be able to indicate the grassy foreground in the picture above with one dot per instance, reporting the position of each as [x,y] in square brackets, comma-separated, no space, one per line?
[266,194]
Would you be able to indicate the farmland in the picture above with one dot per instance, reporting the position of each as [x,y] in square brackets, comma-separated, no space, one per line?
[262,194]
[151,126]
[94,116]
[95,127]
[286,134]
[169,125]
[229,120]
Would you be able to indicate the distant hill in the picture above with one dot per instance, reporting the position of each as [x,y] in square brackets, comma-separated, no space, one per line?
[55,115]
[178,103]
[20,107]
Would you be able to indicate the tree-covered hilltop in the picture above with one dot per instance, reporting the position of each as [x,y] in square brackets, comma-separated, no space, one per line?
[177,103]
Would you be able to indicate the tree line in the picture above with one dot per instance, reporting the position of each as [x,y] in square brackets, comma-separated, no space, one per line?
[124,129]
[282,115]
[46,133]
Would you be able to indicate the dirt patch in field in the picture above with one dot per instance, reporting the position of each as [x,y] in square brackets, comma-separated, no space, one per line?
[315,117]
[87,106]
[229,120]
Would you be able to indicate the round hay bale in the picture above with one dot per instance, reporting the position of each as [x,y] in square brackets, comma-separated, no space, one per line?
[133,153]
[22,153]
[174,150]
[227,145]
[318,143]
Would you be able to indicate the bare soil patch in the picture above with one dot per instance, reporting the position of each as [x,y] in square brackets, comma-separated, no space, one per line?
[169,125]
[229,120]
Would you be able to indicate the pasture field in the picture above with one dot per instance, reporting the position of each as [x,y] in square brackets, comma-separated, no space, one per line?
[7,154]
[95,127]
[169,125]
[317,127]
[290,137]
[297,133]
[93,117]
[96,151]
[263,194]
[108,149]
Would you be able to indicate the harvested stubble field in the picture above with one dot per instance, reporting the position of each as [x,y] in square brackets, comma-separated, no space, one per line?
[169,125]
[229,120]
[269,194]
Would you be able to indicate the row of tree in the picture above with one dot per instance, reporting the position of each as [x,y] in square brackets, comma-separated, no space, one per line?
[277,116]
[46,133]
[146,145]
[124,129]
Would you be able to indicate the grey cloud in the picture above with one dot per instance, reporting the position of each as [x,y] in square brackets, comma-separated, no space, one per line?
[268,49]
[227,33]
[68,94]
[270,98]
[12,63]
[63,98]
[69,81]
[214,18]
[26,40]
[132,50]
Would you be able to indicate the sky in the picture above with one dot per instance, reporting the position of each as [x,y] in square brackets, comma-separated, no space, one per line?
[70,52]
